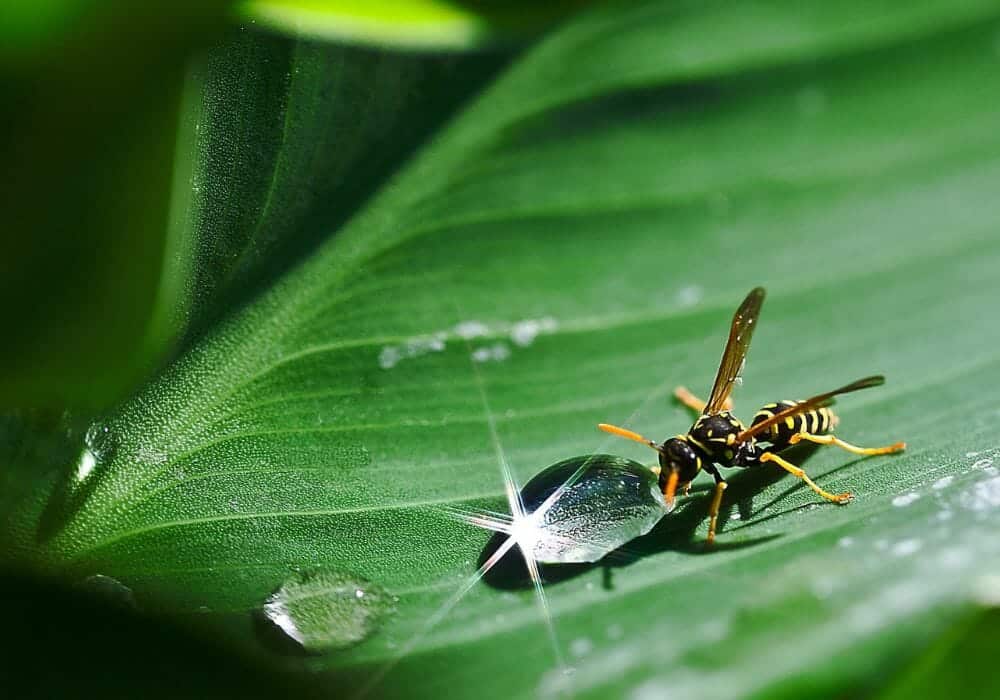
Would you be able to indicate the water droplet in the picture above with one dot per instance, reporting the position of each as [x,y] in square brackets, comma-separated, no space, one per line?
[942,483]
[905,499]
[581,647]
[689,295]
[496,352]
[471,329]
[322,611]
[523,333]
[845,541]
[109,589]
[983,463]
[99,446]
[905,548]
[984,496]
[389,356]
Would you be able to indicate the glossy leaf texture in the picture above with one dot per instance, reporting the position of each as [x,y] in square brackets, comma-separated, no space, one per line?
[284,139]
[563,253]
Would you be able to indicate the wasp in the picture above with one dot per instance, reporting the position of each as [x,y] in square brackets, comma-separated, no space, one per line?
[718,439]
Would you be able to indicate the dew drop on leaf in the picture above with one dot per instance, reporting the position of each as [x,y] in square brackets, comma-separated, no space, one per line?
[110,590]
[98,448]
[321,611]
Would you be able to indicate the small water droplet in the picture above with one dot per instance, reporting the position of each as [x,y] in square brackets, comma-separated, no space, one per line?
[322,611]
[942,483]
[983,463]
[496,353]
[523,333]
[468,330]
[111,590]
[99,447]
[689,295]
[905,499]
[581,647]
[905,548]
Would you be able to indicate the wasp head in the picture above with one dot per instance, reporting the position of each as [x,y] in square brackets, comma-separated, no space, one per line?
[679,465]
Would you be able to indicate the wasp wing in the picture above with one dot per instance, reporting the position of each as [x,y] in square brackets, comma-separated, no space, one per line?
[814,402]
[733,357]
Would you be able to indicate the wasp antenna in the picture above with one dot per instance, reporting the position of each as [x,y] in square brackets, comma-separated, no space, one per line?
[627,434]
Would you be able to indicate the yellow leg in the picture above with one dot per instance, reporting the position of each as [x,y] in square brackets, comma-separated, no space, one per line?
[797,472]
[694,403]
[831,440]
[713,509]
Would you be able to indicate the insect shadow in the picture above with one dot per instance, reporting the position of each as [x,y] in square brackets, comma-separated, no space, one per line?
[675,532]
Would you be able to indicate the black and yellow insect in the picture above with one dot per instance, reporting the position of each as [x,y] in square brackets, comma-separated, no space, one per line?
[719,438]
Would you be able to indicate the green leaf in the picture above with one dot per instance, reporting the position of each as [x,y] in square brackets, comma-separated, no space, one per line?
[164,223]
[957,664]
[424,24]
[284,140]
[598,214]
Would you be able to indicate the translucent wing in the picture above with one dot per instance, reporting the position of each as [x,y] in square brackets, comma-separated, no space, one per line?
[740,333]
[809,404]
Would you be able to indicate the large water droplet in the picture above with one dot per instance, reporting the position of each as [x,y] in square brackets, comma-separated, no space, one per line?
[613,501]
[322,611]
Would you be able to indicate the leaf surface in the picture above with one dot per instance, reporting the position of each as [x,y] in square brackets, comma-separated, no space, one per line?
[564,253]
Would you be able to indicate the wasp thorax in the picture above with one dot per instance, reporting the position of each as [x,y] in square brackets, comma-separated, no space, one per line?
[677,455]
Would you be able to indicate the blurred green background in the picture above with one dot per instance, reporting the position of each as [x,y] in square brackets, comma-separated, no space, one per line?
[251,250]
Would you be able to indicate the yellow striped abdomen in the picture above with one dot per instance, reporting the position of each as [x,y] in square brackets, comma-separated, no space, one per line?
[816,421]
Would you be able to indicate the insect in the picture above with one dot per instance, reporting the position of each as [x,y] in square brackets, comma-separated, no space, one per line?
[719,439]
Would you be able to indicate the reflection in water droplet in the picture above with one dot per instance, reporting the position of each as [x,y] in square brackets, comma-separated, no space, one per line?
[111,590]
[322,611]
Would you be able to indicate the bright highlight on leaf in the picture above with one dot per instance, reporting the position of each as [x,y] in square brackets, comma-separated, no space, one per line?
[425,24]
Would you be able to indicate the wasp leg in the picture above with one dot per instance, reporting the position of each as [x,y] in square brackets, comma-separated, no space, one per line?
[713,509]
[683,395]
[797,472]
[831,440]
